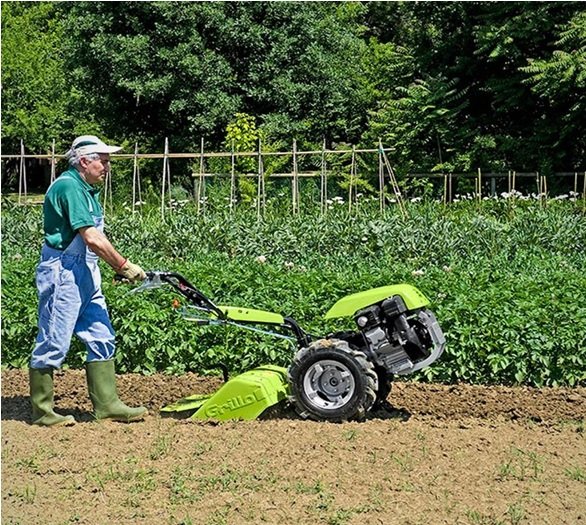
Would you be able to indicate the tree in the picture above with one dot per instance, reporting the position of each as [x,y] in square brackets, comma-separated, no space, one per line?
[184,69]
[559,82]
[467,83]
[38,100]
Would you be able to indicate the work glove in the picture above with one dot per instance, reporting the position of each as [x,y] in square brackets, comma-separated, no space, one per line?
[131,272]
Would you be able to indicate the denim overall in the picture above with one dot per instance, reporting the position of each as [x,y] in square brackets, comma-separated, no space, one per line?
[71,302]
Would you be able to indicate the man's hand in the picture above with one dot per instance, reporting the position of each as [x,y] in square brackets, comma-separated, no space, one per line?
[132,272]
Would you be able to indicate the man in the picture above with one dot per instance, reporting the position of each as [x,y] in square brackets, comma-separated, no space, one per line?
[69,287]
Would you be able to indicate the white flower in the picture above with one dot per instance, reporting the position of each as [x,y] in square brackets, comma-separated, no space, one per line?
[446,268]
[261,259]
[418,273]
[364,239]
[289,265]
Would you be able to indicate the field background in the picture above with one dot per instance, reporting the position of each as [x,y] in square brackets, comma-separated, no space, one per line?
[492,434]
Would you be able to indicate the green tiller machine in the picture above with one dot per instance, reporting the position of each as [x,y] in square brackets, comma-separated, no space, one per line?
[337,377]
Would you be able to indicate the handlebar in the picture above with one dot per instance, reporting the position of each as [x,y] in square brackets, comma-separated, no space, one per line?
[156,279]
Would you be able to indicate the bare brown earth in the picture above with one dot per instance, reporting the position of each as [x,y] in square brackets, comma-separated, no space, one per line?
[445,455]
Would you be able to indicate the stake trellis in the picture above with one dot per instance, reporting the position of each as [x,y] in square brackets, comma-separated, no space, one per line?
[321,171]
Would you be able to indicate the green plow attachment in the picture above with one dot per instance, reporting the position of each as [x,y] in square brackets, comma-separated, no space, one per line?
[245,396]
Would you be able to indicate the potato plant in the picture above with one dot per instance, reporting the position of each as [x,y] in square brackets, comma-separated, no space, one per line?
[506,280]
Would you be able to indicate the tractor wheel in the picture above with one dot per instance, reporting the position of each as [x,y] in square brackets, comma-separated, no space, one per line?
[330,381]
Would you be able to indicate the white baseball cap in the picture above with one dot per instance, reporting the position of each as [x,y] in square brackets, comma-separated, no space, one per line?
[87,144]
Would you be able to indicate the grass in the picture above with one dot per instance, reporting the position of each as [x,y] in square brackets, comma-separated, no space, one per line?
[521,465]
[405,461]
[160,447]
[576,474]
[179,489]
[514,515]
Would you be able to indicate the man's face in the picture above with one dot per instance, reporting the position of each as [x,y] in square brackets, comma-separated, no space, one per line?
[95,170]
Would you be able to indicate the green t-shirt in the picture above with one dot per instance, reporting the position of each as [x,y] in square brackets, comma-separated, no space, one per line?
[70,203]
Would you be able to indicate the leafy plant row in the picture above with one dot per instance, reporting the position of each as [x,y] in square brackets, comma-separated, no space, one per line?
[508,284]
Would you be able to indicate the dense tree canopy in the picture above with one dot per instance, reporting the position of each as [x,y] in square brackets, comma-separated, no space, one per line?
[450,85]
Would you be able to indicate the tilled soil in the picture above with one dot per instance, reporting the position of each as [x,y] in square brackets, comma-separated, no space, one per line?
[443,454]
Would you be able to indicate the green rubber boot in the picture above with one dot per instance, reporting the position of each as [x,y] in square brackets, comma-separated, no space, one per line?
[101,383]
[41,387]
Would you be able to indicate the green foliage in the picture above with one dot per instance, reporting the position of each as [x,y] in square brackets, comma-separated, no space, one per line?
[559,80]
[37,95]
[507,283]
[451,86]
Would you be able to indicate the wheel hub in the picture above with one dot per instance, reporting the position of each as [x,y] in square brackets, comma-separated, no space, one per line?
[329,384]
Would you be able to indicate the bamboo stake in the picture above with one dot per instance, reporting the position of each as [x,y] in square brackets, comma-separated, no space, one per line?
[166,179]
[295,181]
[260,191]
[537,181]
[479,184]
[352,175]
[584,194]
[324,181]
[22,174]
[445,199]
[232,179]
[576,182]
[200,197]
[109,184]
[163,182]
[381,181]
[105,194]
[540,188]
[134,178]
[395,186]
[53,162]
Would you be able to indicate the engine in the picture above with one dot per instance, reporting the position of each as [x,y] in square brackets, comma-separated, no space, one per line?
[398,339]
